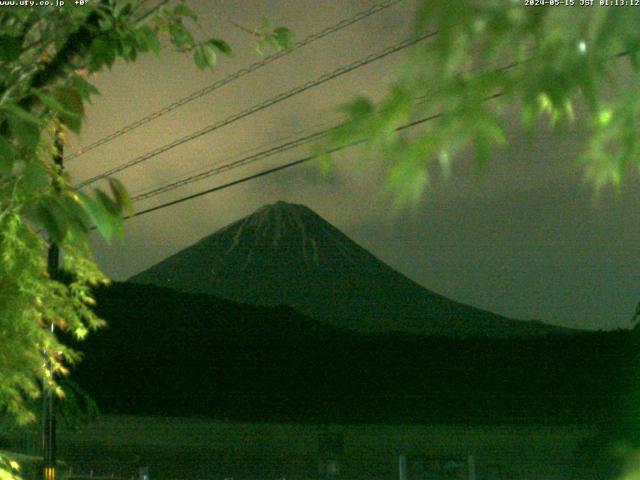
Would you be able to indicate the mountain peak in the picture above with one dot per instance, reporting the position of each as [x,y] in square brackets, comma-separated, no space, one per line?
[274,227]
[281,204]
[280,208]
[286,254]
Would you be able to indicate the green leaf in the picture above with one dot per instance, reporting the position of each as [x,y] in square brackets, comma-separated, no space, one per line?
[205,56]
[66,104]
[444,159]
[6,157]
[120,194]
[604,117]
[265,24]
[73,109]
[35,175]
[115,213]
[151,38]
[199,58]
[482,152]
[14,110]
[589,88]
[283,37]
[53,217]
[83,87]
[105,23]
[140,41]
[111,57]
[323,158]
[180,36]
[4,72]
[129,48]
[359,108]
[49,101]
[76,213]
[491,129]
[24,126]
[101,52]
[408,179]
[123,9]
[161,23]
[184,11]
[210,55]
[99,215]
[220,45]
[10,48]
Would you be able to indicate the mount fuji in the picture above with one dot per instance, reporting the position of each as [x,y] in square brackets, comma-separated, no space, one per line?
[286,254]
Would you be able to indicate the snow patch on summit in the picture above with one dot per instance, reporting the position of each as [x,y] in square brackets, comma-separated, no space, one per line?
[277,223]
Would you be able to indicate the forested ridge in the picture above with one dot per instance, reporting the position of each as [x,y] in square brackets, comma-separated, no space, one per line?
[172,353]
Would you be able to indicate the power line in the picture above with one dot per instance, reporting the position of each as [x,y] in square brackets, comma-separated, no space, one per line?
[276,169]
[218,169]
[294,163]
[232,165]
[283,167]
[254,157]
[238,74]
[262,105]
[244,154]
[285,146]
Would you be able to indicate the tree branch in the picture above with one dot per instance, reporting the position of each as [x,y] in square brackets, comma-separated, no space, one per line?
[253,33]
[76,43]
[151,11]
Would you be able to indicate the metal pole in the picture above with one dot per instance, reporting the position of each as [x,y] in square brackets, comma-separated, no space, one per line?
[49,416]
[402,467]
[471,463]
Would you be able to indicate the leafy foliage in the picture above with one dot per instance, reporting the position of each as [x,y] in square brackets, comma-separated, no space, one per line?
[43,85]
[491,58]
[278,38]
[47,58]
[9,468]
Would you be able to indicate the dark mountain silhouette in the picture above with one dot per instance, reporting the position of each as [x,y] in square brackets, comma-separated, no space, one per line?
[285,254]
[171,353]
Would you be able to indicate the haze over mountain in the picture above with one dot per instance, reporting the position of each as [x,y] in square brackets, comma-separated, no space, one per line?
[286,254]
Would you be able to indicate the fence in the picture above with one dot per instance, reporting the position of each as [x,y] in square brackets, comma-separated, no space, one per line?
[219,451]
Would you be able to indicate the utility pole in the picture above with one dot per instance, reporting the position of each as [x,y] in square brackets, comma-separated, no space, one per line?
[48,407]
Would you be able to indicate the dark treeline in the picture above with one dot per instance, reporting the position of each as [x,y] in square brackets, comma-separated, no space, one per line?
[170,353]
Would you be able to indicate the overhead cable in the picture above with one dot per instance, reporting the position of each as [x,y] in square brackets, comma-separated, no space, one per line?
[273,170]
[374,9]
[262,105]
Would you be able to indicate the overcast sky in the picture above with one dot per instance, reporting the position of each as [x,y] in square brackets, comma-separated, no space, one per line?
[528,241]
